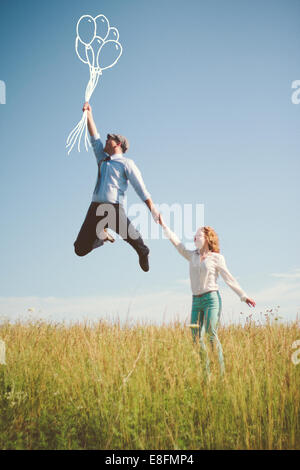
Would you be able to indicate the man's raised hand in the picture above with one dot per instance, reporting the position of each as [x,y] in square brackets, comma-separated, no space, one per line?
[90,120]
[87,107]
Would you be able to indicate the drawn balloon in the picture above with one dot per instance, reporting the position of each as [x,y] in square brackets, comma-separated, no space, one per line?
[96,45]
[113,34]
[80,49]
[109,54]
[86,29]
[90,55]
[102,26]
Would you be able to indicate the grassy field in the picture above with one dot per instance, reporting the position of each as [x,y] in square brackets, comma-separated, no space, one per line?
[104,386]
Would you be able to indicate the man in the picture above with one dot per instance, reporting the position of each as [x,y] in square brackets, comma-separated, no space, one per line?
[106,210]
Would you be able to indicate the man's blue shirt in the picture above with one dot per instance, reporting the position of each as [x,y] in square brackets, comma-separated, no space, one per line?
[115,175]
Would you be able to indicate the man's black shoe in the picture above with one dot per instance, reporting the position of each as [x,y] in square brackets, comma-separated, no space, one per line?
[143,259]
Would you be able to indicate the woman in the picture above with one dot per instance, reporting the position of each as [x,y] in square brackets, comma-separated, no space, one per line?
[206,263]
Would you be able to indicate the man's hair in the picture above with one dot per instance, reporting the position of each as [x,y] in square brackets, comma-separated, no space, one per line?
[121,140]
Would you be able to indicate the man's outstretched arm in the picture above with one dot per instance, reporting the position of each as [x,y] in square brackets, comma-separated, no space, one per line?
[90,120]
[136,179]
[95,137]
[155,214]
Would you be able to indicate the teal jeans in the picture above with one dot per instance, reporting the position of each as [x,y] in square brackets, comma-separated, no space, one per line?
[206,311]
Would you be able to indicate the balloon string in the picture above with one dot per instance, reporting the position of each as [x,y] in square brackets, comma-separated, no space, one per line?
[74,133]
[73,141]
[77,132]
[71,133]
[82,128]
[73,138]
[86,140]
[84,123]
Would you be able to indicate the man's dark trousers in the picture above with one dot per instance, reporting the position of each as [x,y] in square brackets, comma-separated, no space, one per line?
[111,216]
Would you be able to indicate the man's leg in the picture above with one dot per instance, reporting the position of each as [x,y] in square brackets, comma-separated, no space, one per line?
[87,236]
[128,232]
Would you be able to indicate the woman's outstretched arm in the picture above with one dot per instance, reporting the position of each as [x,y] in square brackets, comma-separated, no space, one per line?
[187,254]
[232,282]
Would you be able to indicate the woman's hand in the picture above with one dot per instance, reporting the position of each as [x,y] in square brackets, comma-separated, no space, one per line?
[87,107]
[155,213]
[250,302]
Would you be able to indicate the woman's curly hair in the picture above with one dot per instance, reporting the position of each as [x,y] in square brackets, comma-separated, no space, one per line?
[212,239]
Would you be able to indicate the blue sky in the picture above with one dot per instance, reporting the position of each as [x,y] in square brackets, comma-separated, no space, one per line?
[203,93]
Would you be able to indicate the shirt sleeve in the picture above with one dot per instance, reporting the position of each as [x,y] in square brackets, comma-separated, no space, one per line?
[187,254]
[135,177]
[98,147]
[229,279]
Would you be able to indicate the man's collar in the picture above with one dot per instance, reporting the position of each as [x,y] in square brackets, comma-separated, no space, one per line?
[116,155]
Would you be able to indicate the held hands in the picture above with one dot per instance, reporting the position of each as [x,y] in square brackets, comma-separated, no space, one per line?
[155,214]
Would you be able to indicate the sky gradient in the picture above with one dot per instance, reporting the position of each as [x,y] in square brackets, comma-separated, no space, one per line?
[203,93]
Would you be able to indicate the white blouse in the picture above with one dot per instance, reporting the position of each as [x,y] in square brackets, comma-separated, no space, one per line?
[204,274]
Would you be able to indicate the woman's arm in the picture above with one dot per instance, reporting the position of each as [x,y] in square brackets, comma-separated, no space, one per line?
[232,282]
[187,254]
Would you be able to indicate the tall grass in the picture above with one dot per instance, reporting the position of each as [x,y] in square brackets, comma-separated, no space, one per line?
[103,386]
